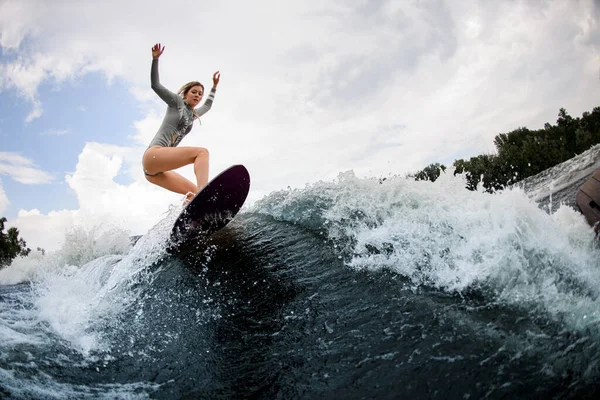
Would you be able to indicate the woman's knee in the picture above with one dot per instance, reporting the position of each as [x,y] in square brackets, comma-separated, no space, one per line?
[202,153]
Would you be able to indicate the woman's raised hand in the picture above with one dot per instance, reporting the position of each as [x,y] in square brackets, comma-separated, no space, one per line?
[157,50]
[216,77]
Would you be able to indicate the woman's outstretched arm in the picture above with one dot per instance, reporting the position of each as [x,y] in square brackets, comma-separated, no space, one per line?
[168,97]
[203,109]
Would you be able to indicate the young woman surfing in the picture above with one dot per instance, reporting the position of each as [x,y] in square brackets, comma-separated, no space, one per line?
[162,155]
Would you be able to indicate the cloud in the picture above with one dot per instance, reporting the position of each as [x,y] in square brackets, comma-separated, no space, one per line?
[45,231]
[146,128]
[56,132]
[25,76]
[22,169]
[16,23]
[136,206]
[4,202]
[327,62]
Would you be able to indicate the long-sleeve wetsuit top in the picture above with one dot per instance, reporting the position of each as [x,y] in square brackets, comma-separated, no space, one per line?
[179,118]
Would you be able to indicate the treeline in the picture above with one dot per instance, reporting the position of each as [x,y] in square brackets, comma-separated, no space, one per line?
[523,152]
[11,245]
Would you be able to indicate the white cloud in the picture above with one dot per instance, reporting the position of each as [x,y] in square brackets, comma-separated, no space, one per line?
[22,169]
[14,158]
[45,231]
[16,23]
[134,207]
[25,76]
[146,128]
[310,89]
[4,202]
[56,132]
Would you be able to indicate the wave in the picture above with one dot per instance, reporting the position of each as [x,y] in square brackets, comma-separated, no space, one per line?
[309,287]
[437,234]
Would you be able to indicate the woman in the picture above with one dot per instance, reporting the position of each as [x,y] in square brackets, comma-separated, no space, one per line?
[163,155]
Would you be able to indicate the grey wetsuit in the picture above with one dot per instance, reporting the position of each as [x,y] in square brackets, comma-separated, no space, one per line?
[179,118]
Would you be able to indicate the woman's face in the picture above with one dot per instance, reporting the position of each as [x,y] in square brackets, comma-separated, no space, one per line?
[194,95]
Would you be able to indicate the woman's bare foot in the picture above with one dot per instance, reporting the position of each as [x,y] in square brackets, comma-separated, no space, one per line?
[189,196]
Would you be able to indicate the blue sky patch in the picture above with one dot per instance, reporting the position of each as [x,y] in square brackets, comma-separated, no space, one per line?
[74,113]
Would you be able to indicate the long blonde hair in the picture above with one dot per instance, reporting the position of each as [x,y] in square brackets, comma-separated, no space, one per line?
[186,88]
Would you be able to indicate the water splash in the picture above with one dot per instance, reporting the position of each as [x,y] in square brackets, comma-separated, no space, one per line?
[89,281]
[438,234]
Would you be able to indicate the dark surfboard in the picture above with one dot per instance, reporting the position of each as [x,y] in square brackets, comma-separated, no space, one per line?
[588,198]
[212,208]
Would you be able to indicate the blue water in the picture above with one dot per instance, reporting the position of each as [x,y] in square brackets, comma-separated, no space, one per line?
[349,289]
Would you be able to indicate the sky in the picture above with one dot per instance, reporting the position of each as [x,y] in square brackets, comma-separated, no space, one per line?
[309,89]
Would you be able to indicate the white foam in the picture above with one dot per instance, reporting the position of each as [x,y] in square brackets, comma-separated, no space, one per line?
[22,269]
[86,282]
[439,234]
[43,386]
[18,324]
[80,247]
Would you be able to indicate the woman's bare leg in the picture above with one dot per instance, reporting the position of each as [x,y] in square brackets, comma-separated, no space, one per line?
[201,169]
[163,159]
[174,182]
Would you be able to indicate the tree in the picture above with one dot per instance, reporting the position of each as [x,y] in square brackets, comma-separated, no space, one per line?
[522,152]
[11,245]
[430,172]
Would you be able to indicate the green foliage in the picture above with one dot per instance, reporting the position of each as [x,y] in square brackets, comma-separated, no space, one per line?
[486,168]
[430,172]
[11,245]
[523,152]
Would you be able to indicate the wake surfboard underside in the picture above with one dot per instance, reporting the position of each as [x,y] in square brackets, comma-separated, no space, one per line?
[213,207]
